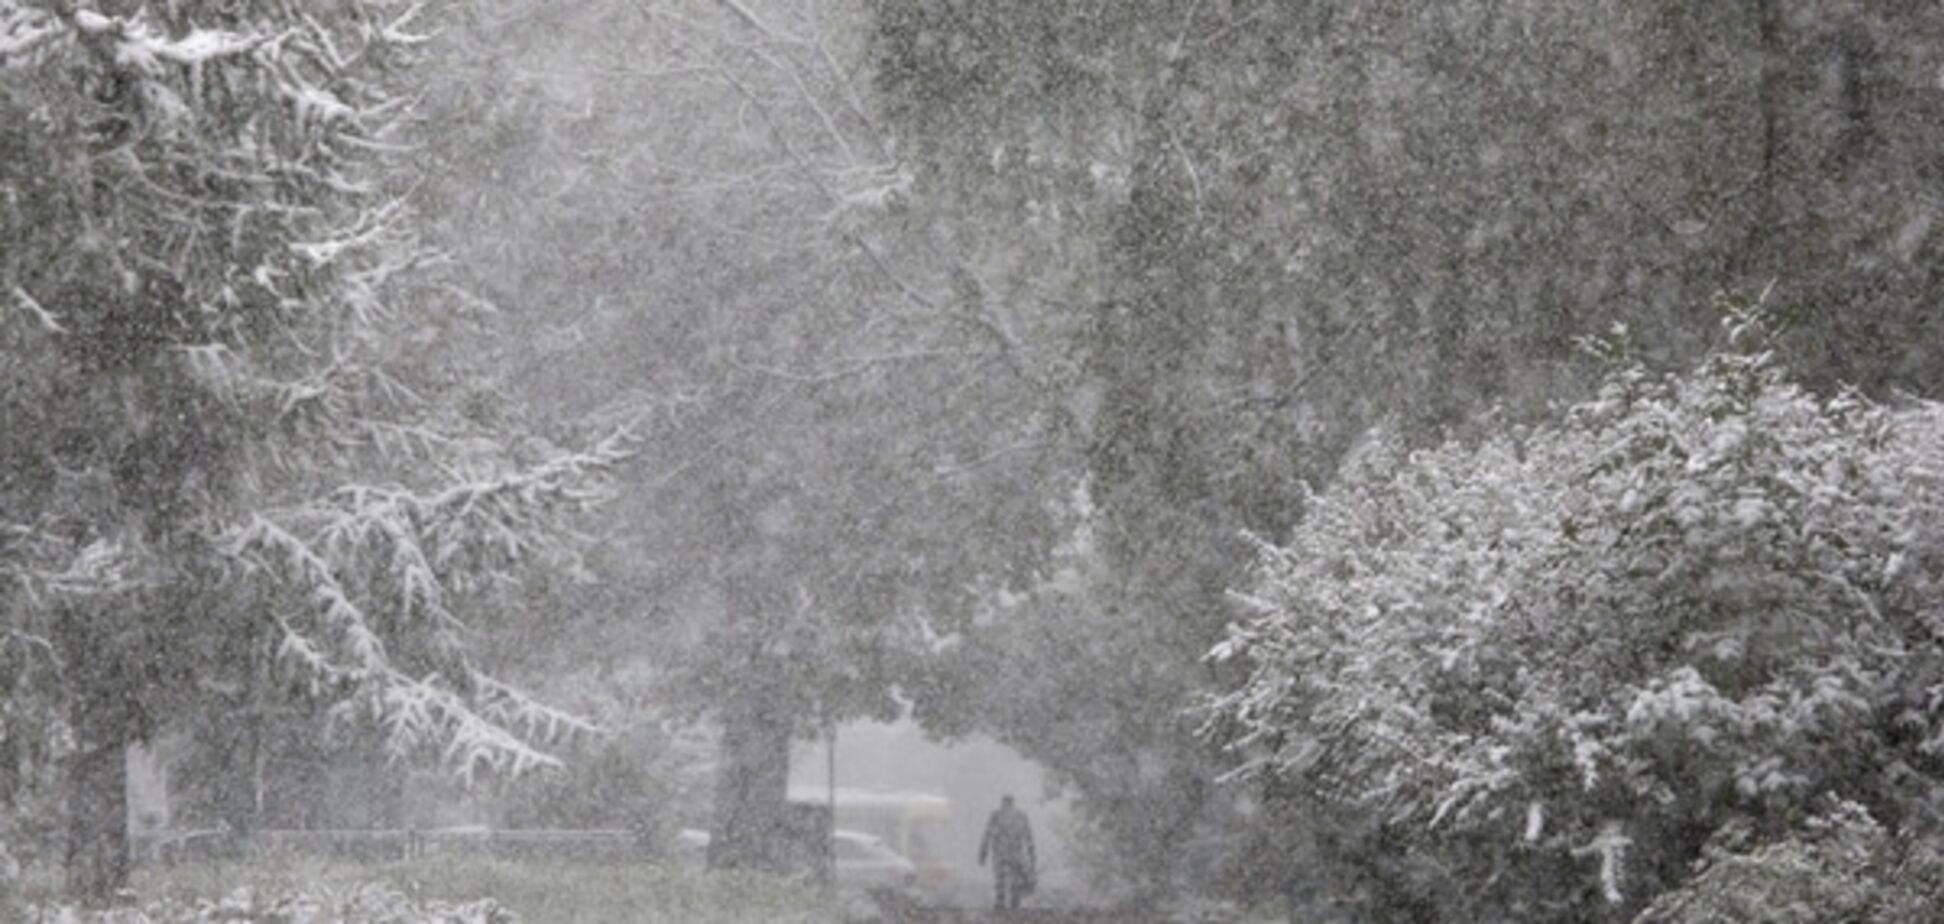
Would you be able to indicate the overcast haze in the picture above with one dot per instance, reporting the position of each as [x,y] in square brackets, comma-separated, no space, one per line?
[1330,460]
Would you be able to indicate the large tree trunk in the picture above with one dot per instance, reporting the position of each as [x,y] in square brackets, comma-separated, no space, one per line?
[97,857]
[105,716]
[753,825]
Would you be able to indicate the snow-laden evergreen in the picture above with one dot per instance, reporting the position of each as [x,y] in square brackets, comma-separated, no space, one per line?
[212,306]
[1555,660]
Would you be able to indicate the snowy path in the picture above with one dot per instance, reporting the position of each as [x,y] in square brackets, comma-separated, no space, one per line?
[918,915]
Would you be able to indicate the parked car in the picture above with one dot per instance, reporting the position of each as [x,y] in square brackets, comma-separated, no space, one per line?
[860,861]
[691,848]
[865,862]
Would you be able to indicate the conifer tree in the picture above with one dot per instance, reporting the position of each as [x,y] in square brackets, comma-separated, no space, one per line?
[210,292]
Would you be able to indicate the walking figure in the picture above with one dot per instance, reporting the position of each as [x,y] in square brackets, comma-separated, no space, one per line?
[1008,842]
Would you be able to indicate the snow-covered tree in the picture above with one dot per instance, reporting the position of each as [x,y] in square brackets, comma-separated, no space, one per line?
[210,295]
[846,438]
[1555,661]
[1284,222]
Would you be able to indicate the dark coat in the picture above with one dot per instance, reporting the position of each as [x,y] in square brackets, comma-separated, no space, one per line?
[1008,840]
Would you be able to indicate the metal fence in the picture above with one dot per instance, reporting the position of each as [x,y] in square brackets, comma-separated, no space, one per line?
[388,844]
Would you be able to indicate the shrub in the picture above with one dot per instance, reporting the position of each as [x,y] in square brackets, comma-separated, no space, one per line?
[1550,666]
[317,904]
[1840,866]
[452,892]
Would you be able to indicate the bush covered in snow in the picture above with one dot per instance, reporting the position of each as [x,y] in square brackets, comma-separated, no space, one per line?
[367,902]
[1550,667]
[440,890]
[1840,866]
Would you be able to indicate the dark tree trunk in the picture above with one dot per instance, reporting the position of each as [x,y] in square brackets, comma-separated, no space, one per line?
[752,816]
[97,857]
[105,716]
[1769,94]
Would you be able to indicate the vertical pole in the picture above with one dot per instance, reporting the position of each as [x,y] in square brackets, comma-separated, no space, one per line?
[830,796]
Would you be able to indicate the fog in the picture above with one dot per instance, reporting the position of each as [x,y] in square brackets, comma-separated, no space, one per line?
[973,773]
[641,460]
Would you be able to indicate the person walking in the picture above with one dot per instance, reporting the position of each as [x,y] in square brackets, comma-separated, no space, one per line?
[1008,842]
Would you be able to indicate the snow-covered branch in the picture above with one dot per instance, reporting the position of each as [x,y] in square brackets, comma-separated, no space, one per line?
[365,550]
[43,317]
[23,29]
